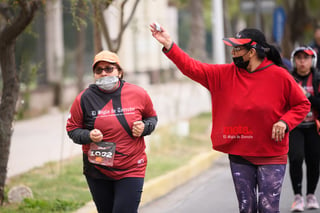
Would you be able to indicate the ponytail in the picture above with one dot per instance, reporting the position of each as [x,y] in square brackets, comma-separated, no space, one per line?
[274,55]
[271,52]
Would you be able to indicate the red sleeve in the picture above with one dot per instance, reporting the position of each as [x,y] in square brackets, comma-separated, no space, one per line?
[299,105]
[190,67]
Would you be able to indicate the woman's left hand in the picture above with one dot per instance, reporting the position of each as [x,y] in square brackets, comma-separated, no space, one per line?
[137,128]
[279,131]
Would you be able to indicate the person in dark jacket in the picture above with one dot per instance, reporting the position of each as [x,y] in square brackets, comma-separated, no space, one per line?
[304,140]
[315,44]
[110,119]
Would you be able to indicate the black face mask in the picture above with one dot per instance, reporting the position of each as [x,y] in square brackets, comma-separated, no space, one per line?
[239,62]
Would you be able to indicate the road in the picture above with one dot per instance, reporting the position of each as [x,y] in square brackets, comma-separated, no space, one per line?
[212,192]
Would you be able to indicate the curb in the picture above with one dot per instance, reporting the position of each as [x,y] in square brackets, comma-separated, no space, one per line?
[161,185]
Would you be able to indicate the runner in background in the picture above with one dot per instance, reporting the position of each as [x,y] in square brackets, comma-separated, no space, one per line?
[304,140]
[315,44]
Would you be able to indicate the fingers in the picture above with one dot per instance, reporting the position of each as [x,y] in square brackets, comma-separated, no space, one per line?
[278,131]
[160,34]
[277,134]
[155,27]
[96,135]
[137,128]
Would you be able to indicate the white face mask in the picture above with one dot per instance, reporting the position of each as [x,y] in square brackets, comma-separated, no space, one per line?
[108,83]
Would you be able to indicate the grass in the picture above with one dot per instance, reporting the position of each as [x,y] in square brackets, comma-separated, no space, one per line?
[61,187]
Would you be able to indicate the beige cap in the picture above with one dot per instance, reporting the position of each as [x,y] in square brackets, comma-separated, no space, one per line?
[106,56]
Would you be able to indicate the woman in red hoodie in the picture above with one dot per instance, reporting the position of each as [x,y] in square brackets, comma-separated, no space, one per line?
[255,103]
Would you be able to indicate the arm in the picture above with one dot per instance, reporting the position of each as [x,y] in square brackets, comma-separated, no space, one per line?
[315,99]
[149,125]
[75,126]
[315,102]
[162,36]
[149,119]
[298,104]
[80,136]
[190,67]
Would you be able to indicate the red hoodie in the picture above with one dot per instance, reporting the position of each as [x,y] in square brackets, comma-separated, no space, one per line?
[246,105]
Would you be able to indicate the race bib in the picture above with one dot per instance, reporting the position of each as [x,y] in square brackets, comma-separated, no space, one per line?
[102,153]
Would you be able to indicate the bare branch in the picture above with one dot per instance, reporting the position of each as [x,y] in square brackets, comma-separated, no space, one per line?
[99,8]
[12,30]
[6,11]
[123,24]
[113,44]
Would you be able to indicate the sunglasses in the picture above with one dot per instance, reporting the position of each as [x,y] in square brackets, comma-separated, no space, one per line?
[108,69]
[238,48]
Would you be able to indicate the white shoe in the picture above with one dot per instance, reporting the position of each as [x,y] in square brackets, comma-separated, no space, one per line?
[312,202]
[298,204]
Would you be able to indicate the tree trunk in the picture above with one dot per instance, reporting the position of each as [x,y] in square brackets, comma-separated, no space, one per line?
[297,20]
[9,99]
[9,31]
[197,41]
[96,30]
[80,51]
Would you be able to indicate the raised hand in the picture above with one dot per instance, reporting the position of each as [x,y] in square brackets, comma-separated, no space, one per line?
[161,35]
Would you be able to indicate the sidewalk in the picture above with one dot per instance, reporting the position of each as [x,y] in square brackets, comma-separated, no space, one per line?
[38,141]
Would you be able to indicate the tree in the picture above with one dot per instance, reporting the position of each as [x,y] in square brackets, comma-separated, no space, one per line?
[80,7]
[197,42]
[302,16]
[15,16]
[101,25]
[196,15]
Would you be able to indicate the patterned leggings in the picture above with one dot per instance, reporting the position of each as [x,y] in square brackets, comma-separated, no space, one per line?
[267,179]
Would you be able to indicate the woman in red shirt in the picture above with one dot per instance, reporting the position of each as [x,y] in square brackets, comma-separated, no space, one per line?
[255,103]
[110,119]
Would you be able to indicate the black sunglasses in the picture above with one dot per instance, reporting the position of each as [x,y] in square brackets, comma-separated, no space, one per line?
[108,69]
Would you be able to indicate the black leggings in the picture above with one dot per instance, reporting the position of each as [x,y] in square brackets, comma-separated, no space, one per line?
[304,144]
[116,196]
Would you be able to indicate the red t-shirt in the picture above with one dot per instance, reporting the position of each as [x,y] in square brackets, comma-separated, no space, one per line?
[246,105]
[94,108]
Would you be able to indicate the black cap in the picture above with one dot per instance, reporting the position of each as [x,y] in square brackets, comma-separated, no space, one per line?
[249,36]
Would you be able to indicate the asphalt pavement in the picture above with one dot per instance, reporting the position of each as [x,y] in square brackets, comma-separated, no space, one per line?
[212,192]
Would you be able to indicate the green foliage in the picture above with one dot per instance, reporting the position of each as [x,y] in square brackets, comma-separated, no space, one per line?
[313,8]
[57,187]
[233,7]
[179,3]
[79,10]
[28,75]
[57,205]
